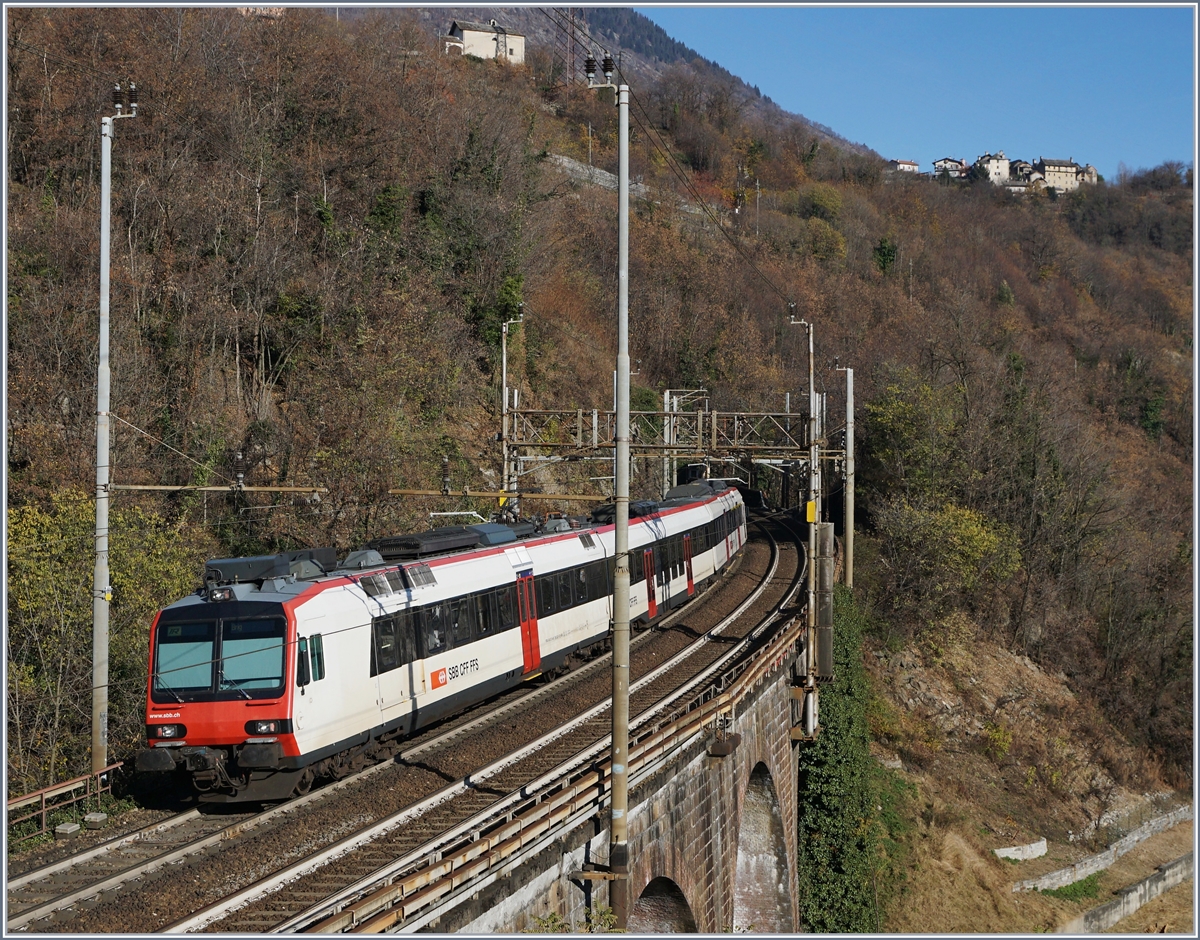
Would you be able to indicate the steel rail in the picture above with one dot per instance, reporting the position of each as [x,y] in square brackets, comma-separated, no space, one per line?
[272,882]
[509,842]
[37,874]
[137,869]
[553,816]
[649,745]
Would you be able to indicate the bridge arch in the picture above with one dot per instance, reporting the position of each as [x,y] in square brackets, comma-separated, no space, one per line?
[761,899]
[662,908]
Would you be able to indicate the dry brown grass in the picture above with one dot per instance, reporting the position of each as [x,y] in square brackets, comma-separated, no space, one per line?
[960,887]
[1065,768]
[1172,912]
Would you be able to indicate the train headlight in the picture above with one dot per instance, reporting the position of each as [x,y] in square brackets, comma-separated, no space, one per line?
[218,594]
[271,726]
[165,731]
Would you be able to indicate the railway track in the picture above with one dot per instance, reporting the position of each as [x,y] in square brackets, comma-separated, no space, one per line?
[51,895]
[369,861]
[430,757]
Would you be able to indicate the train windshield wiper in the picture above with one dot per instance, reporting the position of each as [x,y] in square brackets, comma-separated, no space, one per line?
[232,684]
[166,688]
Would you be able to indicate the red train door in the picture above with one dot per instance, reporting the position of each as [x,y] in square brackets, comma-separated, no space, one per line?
[527,611]
[648,567]
[687,564]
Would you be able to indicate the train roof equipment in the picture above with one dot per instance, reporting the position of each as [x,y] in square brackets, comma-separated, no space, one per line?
[302,564]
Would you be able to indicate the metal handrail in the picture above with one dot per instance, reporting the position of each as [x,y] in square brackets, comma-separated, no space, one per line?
[92,785]
[582,794]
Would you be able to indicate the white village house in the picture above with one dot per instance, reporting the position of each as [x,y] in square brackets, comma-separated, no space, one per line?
[486,40]
[955,169]
[1020,176]
[995,165]
[904,166]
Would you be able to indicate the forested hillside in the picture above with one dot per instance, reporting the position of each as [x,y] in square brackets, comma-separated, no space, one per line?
[319,226]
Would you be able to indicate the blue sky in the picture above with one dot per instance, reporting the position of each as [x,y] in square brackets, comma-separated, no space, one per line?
[1103,85]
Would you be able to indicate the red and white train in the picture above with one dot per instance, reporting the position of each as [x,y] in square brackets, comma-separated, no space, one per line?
[286,668]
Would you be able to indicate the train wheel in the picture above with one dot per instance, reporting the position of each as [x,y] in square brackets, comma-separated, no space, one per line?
[304,784]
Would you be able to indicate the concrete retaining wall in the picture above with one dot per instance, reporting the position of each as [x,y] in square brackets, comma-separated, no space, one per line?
[1101,860]
[1131,898]
[1023,852]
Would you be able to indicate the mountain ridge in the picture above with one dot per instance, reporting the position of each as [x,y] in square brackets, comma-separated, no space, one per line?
[643,49]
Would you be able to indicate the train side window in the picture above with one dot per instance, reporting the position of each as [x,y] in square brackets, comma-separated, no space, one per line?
[316,650]
[580,581]
[406,637]
[384,653]
[436,628]
[464,614]
[506,603]
[482,613]
[489,621]
[302,675]
[566,592]
[545,595]
[636,569]
[597,575]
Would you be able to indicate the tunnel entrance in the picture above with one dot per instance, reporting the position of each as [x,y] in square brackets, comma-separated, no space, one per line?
[662,908]
[762,902]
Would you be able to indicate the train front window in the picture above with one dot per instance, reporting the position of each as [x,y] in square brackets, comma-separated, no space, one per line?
[237,657]
[185,657]
[252,654]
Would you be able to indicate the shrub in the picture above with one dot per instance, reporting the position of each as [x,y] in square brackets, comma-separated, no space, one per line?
[851,830]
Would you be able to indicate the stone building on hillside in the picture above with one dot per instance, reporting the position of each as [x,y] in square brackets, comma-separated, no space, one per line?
[487,40]
[1020,170]
[1065,175]
[995,166]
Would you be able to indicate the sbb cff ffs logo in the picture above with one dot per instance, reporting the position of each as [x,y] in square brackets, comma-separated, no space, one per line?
[438,679]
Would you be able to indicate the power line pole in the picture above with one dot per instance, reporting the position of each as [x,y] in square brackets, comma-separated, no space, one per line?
[813,516]
[619,849]
[101,589]
[848,491]
[618,852]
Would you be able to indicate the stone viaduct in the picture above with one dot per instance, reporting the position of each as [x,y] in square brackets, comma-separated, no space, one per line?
[712,836]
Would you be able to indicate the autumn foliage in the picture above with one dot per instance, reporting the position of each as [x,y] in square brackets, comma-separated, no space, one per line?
[320,226]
